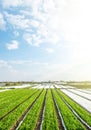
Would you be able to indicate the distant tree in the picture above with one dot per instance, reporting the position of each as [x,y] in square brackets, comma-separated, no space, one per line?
[7,84]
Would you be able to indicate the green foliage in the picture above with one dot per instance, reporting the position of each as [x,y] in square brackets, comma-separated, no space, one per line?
[50,119]
[32,117]
[10,99]
[71,122]
[85,115]
[9,121]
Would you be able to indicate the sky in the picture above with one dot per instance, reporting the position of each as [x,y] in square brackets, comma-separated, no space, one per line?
[44,40]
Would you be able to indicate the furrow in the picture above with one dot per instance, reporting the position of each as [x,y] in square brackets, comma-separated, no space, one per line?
[43,113]
[59,116]
[40,118]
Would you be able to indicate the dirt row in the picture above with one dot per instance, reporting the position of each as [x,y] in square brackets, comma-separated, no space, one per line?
[60,122]
[39,122]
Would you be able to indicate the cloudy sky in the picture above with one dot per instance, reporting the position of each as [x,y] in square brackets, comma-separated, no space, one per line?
[45,40]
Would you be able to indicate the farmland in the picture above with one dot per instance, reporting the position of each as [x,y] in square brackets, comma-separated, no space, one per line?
[47,106]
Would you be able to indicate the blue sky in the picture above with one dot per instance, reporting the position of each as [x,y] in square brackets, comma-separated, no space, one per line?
[45,40]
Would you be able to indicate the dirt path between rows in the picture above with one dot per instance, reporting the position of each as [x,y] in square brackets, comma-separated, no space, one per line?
[61,127]
[40,118]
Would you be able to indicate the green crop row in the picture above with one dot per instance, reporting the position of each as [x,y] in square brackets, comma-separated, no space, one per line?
[7,93]
[6,96]
[11,102]
[31,119]
[50,121]
[70,120]
[1,88]
[10,99]
[85,115]
[10,92]
[9,121]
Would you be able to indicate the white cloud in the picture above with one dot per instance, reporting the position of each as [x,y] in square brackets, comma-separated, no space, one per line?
[17,21]
[34,23]
[4,65]
[16,33]
[28,38]
[66,21]
[8,71]
[20,62]
[10,3]
[55,19]
[49,50]
[37,40]
[45,19]
[13,45]
[2,22]
[41,63]
[50,24]
[32,39]
[25,3]
[26,62]
[75,24]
